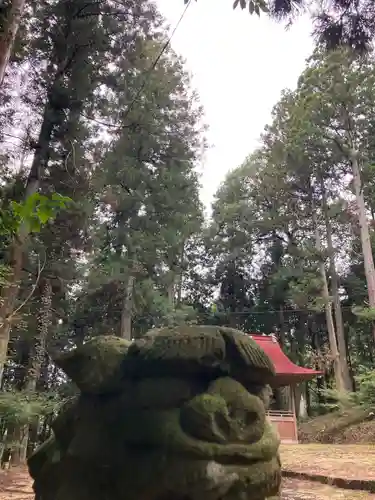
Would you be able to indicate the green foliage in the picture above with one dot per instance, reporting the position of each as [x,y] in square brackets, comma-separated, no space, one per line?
[21,408]
[272,214]
[36,211]
[4,274]
[8,224]
[184,314]
[128,243]
[333,21]
[364,313]
[339,400]
[254,6]
[148,194]
[365,395]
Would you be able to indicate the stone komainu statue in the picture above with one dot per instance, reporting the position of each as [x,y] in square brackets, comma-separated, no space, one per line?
[177,415]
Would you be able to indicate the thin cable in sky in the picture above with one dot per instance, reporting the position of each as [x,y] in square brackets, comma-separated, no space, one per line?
[153,65]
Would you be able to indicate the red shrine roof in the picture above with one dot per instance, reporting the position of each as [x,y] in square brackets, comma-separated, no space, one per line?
[287,373]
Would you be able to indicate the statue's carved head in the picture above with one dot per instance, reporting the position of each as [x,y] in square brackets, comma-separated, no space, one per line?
[179,414]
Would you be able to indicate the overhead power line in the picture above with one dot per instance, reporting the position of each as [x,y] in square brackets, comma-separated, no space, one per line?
[157,59]
[228,313]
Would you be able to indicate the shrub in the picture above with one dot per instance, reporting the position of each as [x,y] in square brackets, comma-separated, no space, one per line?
[365,396]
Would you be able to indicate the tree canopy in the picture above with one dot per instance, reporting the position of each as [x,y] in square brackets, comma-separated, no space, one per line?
[103,230]
[337,23]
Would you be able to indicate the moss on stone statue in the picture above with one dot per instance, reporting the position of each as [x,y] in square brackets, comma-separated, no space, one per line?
[248,362]
[163,429]
[96,365]
[196,349]
[47,452]
[185,477]
[227,413]
[166,392]
[72,480]
[169,351]
[180,414]
[206,417]
[63,425]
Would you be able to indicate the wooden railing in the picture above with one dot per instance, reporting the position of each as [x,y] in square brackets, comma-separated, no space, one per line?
[278,414]
[286,425]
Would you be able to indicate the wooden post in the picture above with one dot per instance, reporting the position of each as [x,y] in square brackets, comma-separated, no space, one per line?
[293,408]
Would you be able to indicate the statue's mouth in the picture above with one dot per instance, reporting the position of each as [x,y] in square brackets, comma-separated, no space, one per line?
[223,469]
[192,478]
[241,481]
[167,430]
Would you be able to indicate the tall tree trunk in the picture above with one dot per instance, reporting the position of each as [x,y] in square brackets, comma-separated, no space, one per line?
[365,233]
[44,430]
[300,400]
[51,118]
[281,326]
[180,275]
[9,293]
[9,296]
[8,37]
[340,333]
[171,289]
[308,400]
[127,309]
[179,288]
[35,364]
[327,306]
[315,345]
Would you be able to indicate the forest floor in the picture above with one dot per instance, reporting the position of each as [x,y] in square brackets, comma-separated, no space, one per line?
[294,489]
[351,463]
[16,485]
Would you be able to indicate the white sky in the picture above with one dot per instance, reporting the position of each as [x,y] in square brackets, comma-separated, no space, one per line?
[239,64]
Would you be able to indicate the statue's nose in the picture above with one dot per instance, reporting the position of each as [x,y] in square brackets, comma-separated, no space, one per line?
[226,413]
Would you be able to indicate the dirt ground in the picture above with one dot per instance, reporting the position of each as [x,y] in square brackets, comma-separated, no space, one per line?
[305,490]
[343,461]
[16,485]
